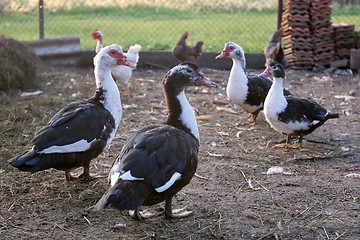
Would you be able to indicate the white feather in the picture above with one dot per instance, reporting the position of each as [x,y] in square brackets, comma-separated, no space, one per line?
[315,122]
[127,176]
[79,146]
[169,183]
[114,178]
[187,116]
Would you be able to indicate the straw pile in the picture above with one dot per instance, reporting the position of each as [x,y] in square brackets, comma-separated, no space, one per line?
[19,66]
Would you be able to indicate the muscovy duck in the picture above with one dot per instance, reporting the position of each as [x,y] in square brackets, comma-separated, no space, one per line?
[273,51]
[247,91]
[159,160]
[81,130]
[120,73]
[184,52]
[288,115]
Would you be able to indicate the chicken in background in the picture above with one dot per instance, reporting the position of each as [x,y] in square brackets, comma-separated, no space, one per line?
[186,53]
[120,73]
[273,50]
[97,35]
[123,74]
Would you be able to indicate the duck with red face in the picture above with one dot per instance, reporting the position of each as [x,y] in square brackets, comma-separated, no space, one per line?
[81,130]
[247,91]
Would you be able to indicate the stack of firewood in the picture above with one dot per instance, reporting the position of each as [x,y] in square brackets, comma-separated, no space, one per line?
[321,32]
[298,46]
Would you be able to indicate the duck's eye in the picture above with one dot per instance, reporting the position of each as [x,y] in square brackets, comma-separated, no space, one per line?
[189,71]
[113,52]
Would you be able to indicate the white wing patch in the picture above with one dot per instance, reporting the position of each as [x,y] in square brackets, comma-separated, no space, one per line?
[79,146]
[315,122]
[127,176]
[169,183]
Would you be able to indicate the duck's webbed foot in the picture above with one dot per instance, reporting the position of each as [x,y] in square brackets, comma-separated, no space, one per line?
[176,213]
[290,144]
[251,118]
[69,177]
[138,215]
[85,176]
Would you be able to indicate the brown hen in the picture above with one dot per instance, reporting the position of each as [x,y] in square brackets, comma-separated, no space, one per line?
[186,53]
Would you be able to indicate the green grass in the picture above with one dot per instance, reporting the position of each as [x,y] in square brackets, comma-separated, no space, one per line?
[347,15]
[154,28]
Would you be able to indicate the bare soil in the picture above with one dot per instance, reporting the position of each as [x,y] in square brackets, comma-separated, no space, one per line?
[234,196]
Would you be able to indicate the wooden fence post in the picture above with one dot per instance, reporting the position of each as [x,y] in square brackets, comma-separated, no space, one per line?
[280,9]
[41,19]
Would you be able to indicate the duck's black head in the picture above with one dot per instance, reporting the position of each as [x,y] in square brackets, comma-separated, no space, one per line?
[183,75]
[274,69]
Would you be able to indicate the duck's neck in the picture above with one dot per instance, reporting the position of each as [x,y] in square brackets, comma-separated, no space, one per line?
[238,69]
[110,95]
[181,114]
[277,88]
[238,81]
[275,100]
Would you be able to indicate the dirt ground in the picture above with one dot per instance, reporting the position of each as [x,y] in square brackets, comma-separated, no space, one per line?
[236,195]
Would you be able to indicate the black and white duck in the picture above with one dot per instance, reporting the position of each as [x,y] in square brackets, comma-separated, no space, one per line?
[81,130]
[159,160]
[288,115]
[247,91]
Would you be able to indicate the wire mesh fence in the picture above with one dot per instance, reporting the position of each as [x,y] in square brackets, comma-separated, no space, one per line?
[157,24]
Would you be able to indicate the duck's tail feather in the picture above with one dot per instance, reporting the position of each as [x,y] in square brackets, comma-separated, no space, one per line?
[125,195]
[26,162]
[329,116]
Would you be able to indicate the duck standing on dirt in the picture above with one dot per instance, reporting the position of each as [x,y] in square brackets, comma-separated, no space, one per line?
[288,115]
[159,160]
[247,91]
[81,130]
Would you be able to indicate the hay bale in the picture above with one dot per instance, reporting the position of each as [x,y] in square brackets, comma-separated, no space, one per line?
[19,66]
